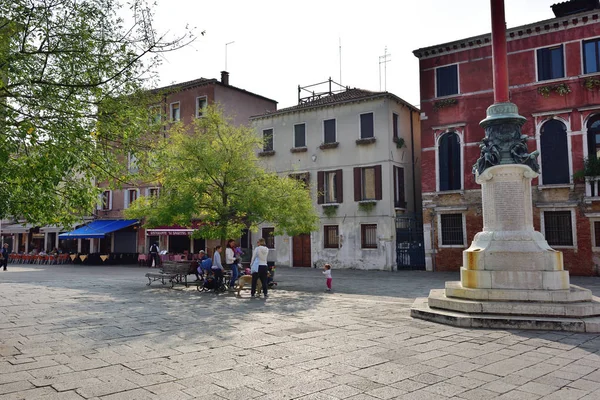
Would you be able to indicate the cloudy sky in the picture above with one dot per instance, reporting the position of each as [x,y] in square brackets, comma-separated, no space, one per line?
[279,45]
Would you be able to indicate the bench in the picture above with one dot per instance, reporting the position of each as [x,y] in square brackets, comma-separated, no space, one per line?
[175,273]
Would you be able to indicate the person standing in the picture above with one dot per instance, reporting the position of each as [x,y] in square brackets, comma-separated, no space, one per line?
[327,273]
[5,254]
[217,268]
[231,262]
[154,255]
[261,252]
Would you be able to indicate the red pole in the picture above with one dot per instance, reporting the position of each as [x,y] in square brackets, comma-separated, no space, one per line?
[499,56]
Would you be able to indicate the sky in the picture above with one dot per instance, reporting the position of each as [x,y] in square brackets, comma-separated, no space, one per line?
[278,45]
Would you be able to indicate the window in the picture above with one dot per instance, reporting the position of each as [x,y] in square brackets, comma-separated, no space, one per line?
[332,237]
[591,56]
[300,135]
[268,235]
[447,80]
[449,162]
[555,154]
[557,228]
[153,192]
[330,187]
[132,164]
[155,115]
[395,126]
[593,136]
[268,140]
[452,230]
[366,126]
[399,198]
[201,103]
[368,236]
[596,233]
[132,195]
[106,200]
[175,115]
[550,63]
[329,131]
[367,183]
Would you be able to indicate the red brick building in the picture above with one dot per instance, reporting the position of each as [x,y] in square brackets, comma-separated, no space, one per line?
[554,78]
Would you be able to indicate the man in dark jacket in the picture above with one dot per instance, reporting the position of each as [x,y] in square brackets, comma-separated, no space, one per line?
[154,255]
[5,253]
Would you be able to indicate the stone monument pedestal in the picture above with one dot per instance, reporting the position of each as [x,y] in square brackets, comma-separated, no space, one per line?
[511,277]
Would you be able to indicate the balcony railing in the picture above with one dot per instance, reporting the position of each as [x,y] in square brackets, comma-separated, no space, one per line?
[592,186]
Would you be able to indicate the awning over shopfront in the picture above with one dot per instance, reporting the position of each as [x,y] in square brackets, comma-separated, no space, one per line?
[16,228]
[98,229]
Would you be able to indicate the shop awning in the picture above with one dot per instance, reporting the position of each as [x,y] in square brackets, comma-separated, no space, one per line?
[16,228]
[98,229]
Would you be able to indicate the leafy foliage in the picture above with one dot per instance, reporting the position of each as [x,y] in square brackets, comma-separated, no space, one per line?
[211,173]
[72,101]
[591,167]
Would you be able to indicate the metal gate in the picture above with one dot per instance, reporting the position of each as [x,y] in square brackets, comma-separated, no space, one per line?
[410,249]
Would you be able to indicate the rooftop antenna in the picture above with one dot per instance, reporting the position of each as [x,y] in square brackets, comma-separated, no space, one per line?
[384,60]
[340,60]
[227,44]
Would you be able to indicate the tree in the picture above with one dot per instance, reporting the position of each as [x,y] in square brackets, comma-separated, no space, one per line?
[210,172]
[73,100]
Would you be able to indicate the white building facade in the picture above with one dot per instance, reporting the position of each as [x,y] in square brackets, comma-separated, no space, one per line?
[359,153]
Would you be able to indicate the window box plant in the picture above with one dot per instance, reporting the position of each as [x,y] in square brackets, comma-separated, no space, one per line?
[366,140]
[332,145]
[299,149]
[329,210]
[444,103]
[267,153]
[367,205]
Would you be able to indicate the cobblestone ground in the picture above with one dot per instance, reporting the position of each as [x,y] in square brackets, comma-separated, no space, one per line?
[100,333]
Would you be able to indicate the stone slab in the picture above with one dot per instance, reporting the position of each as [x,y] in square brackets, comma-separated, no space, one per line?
[421,310]
[572,295]
[438,299]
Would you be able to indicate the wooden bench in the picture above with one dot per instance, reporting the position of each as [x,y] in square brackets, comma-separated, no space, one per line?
[174,273]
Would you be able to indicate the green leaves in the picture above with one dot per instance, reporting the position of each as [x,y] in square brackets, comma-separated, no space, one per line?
[73,101]
[212,174]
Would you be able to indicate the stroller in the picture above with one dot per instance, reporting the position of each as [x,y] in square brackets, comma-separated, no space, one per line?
[208,282]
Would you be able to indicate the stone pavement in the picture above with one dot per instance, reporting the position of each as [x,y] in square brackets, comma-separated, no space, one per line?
[100,333]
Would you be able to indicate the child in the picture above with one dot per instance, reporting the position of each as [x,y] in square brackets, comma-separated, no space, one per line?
[327,273]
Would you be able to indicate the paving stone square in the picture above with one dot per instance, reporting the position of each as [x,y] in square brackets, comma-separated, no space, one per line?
[99,332]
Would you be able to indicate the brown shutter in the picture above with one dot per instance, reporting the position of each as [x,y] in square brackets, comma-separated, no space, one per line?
[357,184]
[339,186]
[378,194]
[401,193]
[395,187]
[320,187]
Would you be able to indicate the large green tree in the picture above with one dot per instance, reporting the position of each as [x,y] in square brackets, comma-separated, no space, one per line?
[210,172]
[73,100]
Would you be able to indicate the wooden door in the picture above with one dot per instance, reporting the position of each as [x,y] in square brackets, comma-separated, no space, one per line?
[301,251]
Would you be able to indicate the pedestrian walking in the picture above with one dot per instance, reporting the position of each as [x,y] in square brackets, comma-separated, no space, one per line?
[231,261]
[154,259]
[217,268]
[327,273]
[5,254]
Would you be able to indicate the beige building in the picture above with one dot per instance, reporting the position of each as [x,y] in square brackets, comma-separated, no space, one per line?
[357,150]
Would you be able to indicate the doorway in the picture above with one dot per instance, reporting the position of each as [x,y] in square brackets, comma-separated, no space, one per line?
[301,251]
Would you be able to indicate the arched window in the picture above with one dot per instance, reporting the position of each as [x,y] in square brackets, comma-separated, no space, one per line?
[449,162]
[593,136]
[555,153]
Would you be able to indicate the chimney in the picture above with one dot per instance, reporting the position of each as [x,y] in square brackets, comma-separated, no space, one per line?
[225,78]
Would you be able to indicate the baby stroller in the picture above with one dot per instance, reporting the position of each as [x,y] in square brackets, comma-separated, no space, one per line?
[209,283]
[271,277]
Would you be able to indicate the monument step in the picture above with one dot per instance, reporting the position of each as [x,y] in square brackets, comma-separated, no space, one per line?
[438,299]
[572,295]
[421,309]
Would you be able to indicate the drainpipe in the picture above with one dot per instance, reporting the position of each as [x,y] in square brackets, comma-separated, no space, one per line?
[412,153]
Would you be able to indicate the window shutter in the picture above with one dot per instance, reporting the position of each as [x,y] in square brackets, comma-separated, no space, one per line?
[443,167]
[125,199]
[110,194]
[401,195]
[357,184]
[339,186]
[378,191]
[320,187]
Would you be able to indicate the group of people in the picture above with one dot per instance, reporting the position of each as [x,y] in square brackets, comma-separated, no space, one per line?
[233,253]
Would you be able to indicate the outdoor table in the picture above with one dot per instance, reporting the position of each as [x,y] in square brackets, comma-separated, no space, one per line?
[83,257]
[104,257]
[73,257]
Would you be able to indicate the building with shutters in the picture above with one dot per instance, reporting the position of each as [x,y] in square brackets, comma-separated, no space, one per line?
[554,78]
[356,151]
